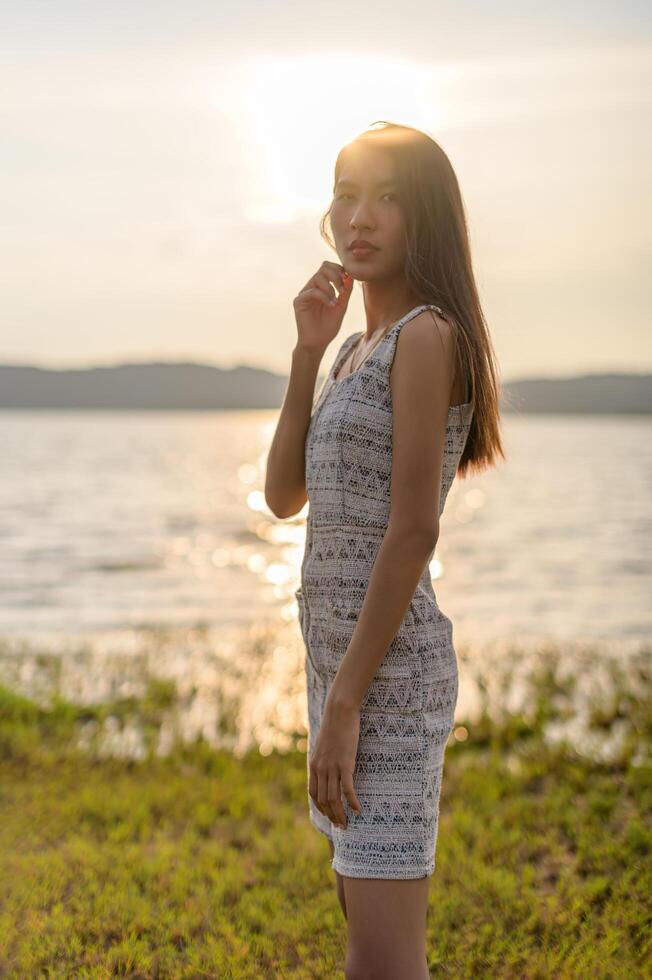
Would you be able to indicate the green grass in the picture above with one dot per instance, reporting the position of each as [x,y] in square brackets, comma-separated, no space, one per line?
[203,865]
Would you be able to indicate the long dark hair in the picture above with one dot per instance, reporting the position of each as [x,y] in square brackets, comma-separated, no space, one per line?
[438,269]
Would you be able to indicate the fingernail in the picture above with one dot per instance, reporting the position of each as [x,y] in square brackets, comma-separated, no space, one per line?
[332,302]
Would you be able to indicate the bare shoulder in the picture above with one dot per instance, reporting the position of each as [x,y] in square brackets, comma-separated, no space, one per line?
[425,349]
[427,333]
[420,381]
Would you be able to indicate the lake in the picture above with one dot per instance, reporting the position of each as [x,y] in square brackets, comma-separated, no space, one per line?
[138,542]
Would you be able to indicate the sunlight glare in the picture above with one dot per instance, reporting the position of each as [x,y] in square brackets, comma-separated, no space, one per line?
[294,114]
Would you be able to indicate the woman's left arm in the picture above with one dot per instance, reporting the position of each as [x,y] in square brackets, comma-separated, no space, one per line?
[421,384]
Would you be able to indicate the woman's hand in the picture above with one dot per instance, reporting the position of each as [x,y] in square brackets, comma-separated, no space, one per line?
[318,310]
[332,762]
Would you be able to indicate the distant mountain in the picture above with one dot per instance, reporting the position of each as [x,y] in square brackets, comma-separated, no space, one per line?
[593,394]
[203,387]
[152,386]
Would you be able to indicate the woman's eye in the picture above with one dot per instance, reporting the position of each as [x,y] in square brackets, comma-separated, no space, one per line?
[340,197]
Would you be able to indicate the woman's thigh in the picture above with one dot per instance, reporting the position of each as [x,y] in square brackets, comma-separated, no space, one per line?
[386,922]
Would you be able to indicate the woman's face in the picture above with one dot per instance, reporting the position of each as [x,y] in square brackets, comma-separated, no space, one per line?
[366,206]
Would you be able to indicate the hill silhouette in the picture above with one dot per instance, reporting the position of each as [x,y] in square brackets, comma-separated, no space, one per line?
[171,386]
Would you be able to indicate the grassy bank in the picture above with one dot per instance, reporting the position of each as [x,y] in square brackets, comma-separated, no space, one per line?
[199,864]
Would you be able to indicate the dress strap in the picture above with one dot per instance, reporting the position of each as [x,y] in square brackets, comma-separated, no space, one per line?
[343,351]
[329,379]
[413,313]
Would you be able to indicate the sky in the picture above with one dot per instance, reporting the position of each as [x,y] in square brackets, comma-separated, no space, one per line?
[165,167]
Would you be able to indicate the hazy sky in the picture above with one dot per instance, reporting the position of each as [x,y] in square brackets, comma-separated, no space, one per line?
[165,166]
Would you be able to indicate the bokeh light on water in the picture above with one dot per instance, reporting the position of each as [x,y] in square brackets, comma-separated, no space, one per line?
[145,552]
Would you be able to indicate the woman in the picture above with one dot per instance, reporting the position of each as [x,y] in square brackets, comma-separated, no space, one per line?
[409,402]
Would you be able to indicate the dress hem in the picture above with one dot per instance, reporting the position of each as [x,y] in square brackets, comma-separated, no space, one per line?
[393,874]
[354,871]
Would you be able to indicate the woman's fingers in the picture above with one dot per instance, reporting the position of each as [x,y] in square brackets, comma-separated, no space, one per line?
[325,793]
[324,788]
[349,792]
[333,271]
[345,289]
[335,799]
[325,286]
[313,784]
[322,290]
[329,781]
[328,276]
[318,788]
[318,293]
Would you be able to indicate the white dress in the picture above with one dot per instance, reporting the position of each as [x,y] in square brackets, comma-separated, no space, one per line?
[407,713]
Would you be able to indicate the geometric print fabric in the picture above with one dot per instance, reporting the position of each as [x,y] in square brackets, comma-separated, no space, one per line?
[407,713]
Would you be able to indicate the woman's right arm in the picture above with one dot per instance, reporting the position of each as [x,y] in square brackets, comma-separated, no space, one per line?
[285,481]
[318,321]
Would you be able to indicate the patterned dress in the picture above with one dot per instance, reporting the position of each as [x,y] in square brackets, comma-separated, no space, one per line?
[407,713]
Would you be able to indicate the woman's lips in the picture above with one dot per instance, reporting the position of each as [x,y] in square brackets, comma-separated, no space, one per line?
[363,251]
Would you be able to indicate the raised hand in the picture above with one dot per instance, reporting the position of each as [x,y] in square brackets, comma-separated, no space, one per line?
[318,309]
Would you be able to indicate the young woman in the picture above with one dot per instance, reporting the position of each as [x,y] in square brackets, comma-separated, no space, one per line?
[409,402]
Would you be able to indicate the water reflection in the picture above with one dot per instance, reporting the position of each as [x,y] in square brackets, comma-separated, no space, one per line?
[151,558]
[159,519]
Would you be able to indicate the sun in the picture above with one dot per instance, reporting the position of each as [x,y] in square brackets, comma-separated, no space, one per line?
[293,114]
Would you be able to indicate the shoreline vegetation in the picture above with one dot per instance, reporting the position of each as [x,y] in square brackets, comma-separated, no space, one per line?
[199,862]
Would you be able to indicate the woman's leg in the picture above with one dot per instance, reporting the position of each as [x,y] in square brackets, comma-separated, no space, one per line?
[386,920]
[339,882]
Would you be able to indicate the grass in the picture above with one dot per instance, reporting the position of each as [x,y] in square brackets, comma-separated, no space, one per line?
[200,864]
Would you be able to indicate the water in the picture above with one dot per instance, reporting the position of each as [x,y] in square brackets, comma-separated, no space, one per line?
[118,520]
[145,537]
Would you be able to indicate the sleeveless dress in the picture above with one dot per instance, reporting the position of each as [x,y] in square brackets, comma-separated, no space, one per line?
[406,715]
